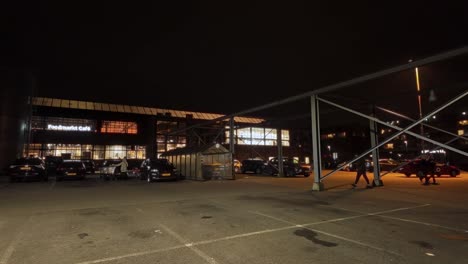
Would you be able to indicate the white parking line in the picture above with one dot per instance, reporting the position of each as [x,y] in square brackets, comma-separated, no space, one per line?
[12,246]
[291,226]
[204,242]
[191,246]
[185,242]
[143,253]
[329,234]
[380,214]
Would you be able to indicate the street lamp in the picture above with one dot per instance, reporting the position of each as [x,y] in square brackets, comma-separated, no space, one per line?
[418,88]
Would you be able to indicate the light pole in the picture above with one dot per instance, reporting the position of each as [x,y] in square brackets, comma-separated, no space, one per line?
[418,88]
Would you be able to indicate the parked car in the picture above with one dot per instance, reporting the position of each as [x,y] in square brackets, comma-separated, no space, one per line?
[237,166]
[133,169]
[72,169]
[388,164]
[441,169]
[158,169]
[52,163]
[291,167]
[90,167]
[27,168]
[253,165]
[348,166]
[109,170]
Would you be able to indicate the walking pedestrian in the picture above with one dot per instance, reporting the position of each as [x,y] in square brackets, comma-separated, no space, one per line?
[361,171]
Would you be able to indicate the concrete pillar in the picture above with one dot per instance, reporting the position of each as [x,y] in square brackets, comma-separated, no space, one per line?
[316,154]
[15,113]
[231,144]
[151,149]
[375,153]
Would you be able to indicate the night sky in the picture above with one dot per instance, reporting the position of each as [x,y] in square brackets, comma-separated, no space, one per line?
[177,54]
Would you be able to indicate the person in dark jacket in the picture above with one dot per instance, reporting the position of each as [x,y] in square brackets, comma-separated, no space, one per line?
[430,172]
[361,171]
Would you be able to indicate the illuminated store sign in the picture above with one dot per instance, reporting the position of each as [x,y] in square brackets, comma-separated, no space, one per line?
[69,128]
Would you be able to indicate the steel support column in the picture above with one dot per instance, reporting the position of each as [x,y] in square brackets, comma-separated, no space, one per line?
[375,153]
[279,141]
[316,155]
[231,144]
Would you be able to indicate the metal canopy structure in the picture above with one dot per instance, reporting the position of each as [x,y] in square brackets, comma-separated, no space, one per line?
[131,109]
[315,107]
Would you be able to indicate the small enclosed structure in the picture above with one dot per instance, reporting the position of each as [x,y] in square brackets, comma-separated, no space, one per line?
[205,162]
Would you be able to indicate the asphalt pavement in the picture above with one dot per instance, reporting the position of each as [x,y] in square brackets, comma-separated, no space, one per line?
[253,219]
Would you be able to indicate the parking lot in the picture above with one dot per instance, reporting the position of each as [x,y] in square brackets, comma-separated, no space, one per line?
[253,219]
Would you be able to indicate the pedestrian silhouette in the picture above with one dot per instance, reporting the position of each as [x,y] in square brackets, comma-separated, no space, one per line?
[361,171]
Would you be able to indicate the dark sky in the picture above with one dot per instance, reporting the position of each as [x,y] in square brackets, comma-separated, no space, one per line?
[218,57]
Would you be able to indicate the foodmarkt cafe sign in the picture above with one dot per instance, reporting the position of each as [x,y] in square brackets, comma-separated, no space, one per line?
[69,128]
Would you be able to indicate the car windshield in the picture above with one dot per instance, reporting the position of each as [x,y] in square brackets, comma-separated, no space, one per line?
[159,162]
[71,164]
[110,162]
[28,162]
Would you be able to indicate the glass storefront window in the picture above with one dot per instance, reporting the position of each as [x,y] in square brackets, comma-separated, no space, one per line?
[77,151]
[258,136]
[115,152]
[99,152]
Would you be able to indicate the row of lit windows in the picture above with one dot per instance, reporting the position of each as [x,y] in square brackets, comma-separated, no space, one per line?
[166,143]
[119,127]
[257,136]
[79,151]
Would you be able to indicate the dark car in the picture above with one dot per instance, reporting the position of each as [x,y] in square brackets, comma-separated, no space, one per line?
[291,167]
[388,164]
[52,163]
[440,169]
[352,166]
[27,168]
[133,169]
[71,169]
[158,169]
[90,166]
[253,165]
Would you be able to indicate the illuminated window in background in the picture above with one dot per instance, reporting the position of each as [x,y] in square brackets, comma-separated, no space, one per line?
[33,150]
[461,132]
[342,135]
[258,136]
[244,136]
[463,122]
[164,127]
[99,152]
[119,127]
[389,146]
[72,151]
[115,152]
[328,136]
[136,152]
[285,137]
